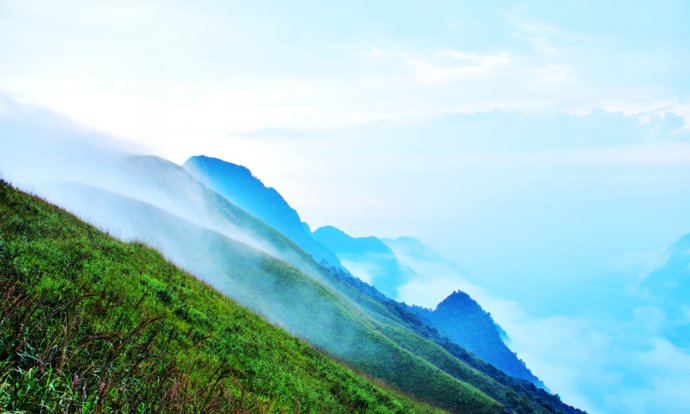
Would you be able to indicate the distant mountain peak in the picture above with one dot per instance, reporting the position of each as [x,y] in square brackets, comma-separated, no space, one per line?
[405,239]
[465,322]
[242,188]
[340,242]
[368,258]
[224,166]
[458,299]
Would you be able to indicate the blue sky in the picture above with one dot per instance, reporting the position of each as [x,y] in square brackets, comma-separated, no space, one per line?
[543,146]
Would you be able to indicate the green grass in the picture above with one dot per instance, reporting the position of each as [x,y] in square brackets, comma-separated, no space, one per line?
[375,336]
[92,324]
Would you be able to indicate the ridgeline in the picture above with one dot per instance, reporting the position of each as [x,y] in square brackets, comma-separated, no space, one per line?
[91,324]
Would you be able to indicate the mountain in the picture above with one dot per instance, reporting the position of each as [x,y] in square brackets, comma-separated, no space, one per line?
[237,184]
[113,327]
[339,241]
[462,320]
[459,317]
[668,288]
[367,258]
[290,299]
[153,200]
[371,259]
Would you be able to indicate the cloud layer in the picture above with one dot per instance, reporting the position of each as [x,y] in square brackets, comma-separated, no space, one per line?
[162,72]
[613,361]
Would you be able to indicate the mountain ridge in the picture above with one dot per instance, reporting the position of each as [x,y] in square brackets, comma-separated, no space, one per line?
[401,341]
[372,260]
[237,184]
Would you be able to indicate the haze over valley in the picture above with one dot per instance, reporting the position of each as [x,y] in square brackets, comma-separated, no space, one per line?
[473,203]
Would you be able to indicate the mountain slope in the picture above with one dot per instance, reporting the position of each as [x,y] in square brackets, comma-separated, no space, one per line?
[370,332]
[463,321]
[367,258]
[670,285]
[81,311]
[291,299]
[240,187]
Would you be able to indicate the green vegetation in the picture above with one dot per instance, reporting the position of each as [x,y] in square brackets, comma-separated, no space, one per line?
[325,313]
[354,323]
[92,324]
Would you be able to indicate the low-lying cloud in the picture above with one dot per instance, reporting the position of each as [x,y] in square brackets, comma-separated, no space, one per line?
[614,361]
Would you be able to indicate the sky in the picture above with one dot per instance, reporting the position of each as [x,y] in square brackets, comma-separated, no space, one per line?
[542,146]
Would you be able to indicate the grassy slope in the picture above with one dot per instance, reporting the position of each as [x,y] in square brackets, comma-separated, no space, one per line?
[80,326]
[374,336]
[289,298]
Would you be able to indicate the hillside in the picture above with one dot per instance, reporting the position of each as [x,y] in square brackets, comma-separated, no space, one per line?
[369,331]
[92,324]
[293,300]
[237,184]
[371,259]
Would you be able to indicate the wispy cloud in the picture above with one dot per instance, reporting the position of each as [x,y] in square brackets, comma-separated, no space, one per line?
[537,33]
[273,133]
[208,69]
[446,63]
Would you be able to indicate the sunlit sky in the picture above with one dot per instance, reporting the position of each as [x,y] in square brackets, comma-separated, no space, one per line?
[370,115]
[541,145]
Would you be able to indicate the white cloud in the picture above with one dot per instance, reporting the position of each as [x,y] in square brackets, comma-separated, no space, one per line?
[540,43]
[598,363]
[180,72]
[443,63]
[537,33]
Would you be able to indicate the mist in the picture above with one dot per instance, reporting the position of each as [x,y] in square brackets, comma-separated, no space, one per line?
[43,152]
[139,198]
[609,355]
[584,336]
[543,150]
[591,206]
